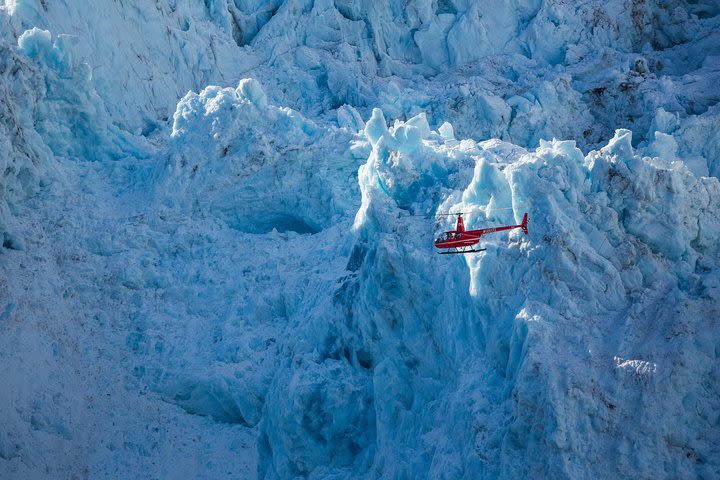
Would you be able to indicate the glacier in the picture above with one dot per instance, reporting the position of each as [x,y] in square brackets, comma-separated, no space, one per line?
[217,222]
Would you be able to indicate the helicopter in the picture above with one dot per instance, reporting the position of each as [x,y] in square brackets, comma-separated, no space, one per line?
[462,241]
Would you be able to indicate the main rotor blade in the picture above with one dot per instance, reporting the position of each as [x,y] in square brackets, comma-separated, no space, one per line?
[491,209]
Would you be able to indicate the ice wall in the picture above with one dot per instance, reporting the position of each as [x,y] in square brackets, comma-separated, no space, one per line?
[144,56]
[561,70]
[23,157]
[215,276]
[529,350]
[50,110]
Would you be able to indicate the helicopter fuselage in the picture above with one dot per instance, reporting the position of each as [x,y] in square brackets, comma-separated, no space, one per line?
[460,238]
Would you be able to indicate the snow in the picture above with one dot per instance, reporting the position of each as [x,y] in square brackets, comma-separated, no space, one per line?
[217,222]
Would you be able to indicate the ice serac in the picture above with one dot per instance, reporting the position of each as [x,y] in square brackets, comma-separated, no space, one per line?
[530,350]
[70,116]
[50,110]
[256,166]
[24,159]
[546,315]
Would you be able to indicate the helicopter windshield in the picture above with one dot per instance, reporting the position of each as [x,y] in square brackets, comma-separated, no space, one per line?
[446,236]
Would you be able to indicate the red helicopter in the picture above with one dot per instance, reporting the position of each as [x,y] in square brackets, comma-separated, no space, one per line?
[461,240]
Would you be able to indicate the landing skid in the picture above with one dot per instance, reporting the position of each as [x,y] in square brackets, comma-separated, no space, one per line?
[447,252]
